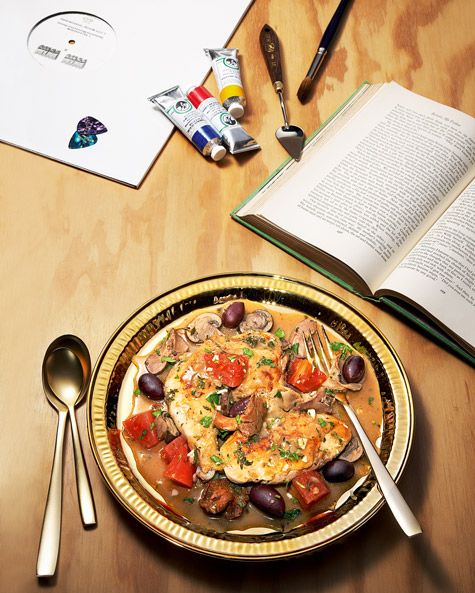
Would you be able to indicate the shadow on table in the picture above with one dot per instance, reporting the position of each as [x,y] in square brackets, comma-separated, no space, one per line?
[352,559]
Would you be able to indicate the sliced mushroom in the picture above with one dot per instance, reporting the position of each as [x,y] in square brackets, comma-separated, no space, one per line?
[203,327]
[256,320]
[172,347]
[353,451]
[166,428]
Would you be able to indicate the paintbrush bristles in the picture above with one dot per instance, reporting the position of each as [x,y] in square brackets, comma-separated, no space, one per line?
[304,89]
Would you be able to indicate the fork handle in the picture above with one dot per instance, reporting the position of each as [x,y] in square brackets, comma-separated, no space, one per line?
[86,502]
[399,507]
[51,530]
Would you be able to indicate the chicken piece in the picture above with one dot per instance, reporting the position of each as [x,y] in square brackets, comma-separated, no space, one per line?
[288,444]
[220,495]
[173,346]
[216,496]
[192,388]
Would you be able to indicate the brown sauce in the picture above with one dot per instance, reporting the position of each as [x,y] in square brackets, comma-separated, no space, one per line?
[184,501]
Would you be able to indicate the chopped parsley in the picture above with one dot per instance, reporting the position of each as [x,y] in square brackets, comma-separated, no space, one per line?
[344,349]
[223,434]
[195,456]
[252,341]
[206,421]
[278,394]
[293,456]
[292,514]
[189,499]
[137,392]
[295,348]
[253,438]
[157,413]
[267,362]
[329,392]
[370,400]
[168,359]
[216,459]
[248,352]
[213,398]
[238,419]
[144,434]
[241,458]
[201,383]
[322,422]
[271,344]
[279,332]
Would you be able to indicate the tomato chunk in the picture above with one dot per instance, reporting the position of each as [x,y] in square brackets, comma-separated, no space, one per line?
[309,487]
[180,470]
[304,376]
[229,369]
[174,448]
[141,427]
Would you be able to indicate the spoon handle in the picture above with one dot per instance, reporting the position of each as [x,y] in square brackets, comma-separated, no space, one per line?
[86,502]
[51,530]
[399,507]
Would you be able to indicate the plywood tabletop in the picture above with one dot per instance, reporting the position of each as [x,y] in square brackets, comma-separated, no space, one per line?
[80,253]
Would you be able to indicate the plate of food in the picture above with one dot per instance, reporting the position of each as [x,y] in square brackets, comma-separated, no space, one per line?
[213,427]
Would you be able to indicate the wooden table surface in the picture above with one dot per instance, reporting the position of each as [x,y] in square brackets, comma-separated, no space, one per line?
[80,253]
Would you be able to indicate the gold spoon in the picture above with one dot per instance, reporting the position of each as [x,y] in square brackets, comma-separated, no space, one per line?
[66,373]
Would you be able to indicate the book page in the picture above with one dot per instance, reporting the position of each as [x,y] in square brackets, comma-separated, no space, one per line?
[439,273]
[380,183]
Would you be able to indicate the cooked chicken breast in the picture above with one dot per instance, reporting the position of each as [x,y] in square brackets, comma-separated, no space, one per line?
[274,444]
[287,444]
[194,385]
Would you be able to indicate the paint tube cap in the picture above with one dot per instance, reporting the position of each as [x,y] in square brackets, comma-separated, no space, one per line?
[217,152]
[236,110]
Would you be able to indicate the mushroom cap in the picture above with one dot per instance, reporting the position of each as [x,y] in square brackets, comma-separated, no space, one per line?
[353,451]
[203,327]
[256,320]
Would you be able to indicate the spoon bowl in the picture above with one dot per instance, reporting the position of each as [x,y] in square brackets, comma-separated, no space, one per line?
[66,370]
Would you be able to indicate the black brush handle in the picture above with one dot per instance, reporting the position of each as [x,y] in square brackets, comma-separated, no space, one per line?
[334,24]
[271,51]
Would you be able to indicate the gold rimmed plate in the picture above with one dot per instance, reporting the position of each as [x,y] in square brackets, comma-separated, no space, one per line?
[141,326]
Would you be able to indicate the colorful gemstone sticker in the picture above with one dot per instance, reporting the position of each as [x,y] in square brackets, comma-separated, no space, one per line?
[86,132]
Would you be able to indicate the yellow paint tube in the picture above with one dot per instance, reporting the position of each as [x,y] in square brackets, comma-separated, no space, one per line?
[225,66]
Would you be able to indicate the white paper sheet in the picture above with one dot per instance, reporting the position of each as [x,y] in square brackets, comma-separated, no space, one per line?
[135,51]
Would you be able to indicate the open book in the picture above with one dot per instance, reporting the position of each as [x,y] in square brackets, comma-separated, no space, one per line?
[383,202]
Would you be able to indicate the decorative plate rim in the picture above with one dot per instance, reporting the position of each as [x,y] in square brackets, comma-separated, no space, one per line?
[186,537]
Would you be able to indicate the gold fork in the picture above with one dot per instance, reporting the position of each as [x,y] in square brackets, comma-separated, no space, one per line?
[320,355]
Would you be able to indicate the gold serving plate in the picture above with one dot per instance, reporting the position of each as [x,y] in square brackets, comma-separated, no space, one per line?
[398,420]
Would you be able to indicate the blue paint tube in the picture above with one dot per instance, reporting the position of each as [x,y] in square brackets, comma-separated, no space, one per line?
[191,122]
[235,138]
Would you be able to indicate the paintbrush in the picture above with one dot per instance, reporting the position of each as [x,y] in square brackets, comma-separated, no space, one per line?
[330,31]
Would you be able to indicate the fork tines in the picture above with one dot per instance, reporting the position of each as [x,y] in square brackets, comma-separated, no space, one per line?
[320,357]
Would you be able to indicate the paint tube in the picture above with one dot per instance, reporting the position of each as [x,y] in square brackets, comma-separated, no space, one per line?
[174,104]
[234,136]
[225,66]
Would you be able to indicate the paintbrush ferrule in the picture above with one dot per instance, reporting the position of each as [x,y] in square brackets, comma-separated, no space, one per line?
[317,62]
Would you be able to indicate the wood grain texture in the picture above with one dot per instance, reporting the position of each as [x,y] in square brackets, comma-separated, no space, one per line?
[79,253]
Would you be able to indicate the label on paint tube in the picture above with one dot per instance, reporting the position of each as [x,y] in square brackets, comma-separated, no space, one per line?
[194,125]
[218,116]
[227,72]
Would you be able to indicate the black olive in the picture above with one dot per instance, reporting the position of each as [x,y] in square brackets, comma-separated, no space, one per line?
[151,386]
[353,369]
[338,470]
[268,500]
[233,315]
